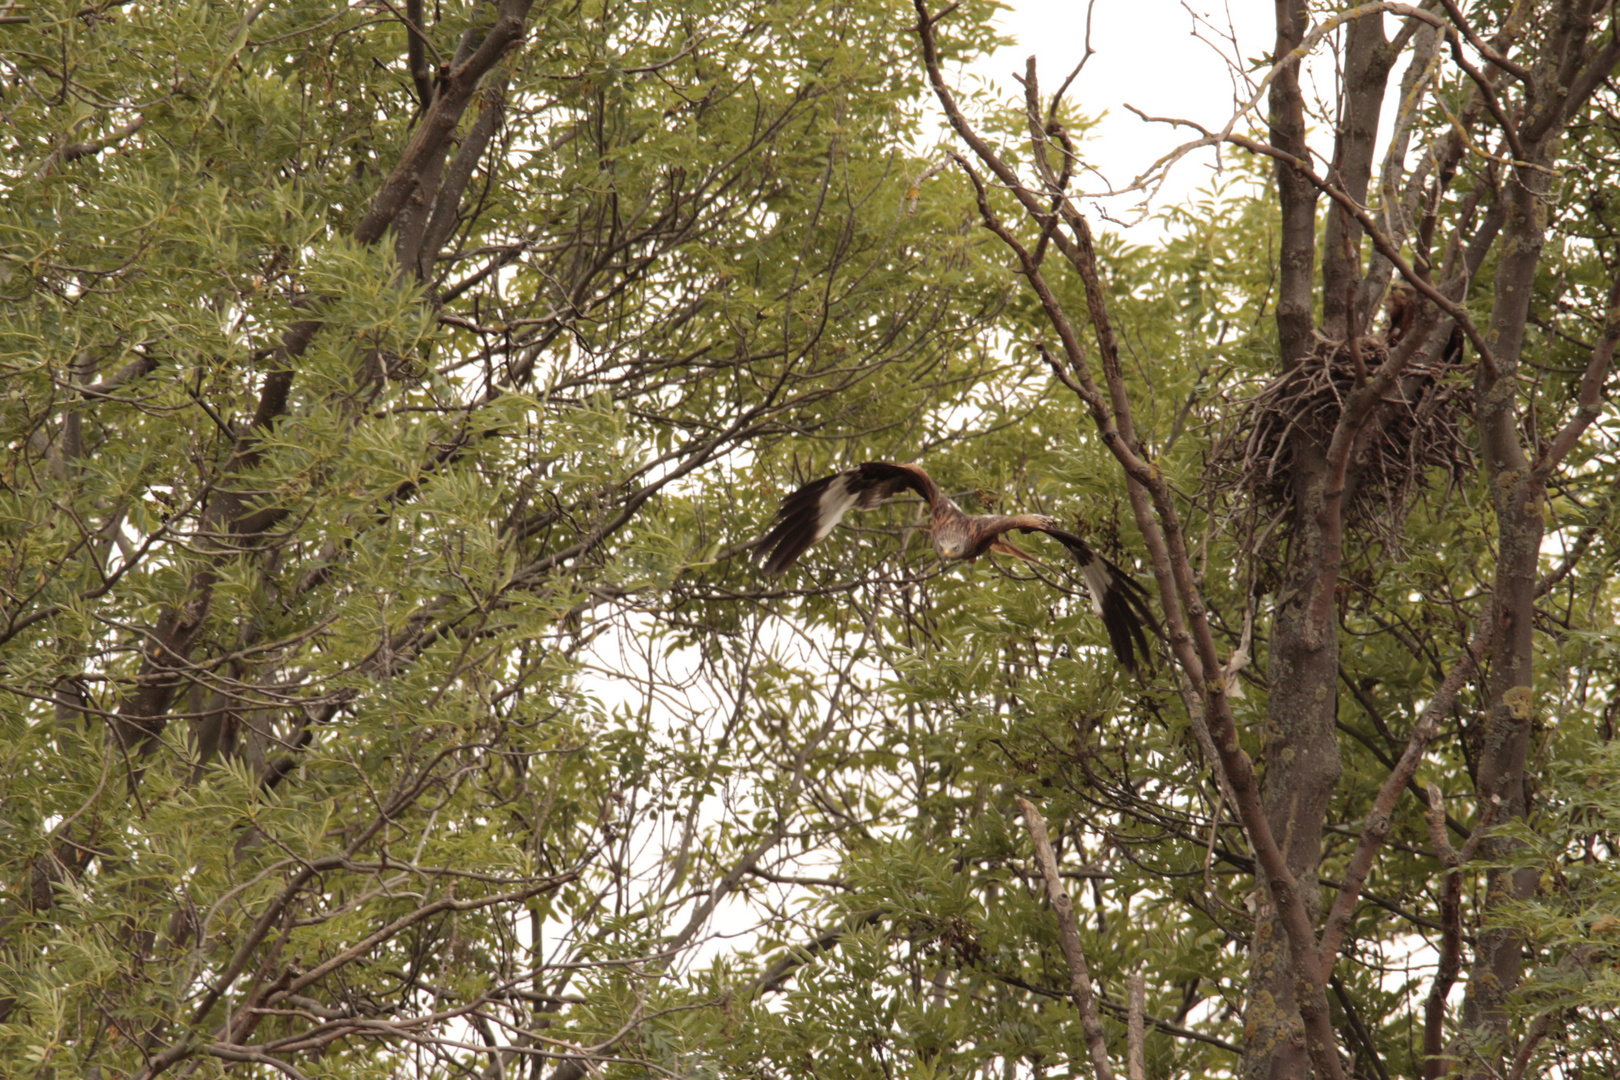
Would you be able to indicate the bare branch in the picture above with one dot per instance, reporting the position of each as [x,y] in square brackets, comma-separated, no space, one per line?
[1079,976]
[1381,817]
[1589,399]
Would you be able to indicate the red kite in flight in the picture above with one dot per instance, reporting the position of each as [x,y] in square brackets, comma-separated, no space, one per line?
[809,514]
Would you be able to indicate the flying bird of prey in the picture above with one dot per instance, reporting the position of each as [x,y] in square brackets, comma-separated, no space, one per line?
[810,513]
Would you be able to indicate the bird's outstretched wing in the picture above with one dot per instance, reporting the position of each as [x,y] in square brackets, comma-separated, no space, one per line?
[812,512]
[1116,597]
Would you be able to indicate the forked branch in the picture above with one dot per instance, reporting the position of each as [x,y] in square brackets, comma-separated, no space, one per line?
[1153,503]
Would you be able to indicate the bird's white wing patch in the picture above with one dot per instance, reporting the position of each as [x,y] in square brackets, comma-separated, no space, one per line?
[836,500]
[1098,580]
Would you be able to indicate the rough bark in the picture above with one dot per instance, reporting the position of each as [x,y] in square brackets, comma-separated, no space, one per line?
[1300,742]
[1367,63]
[1296,197]
[1504,744]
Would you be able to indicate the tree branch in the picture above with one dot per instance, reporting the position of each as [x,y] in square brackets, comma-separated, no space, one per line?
[1079,976]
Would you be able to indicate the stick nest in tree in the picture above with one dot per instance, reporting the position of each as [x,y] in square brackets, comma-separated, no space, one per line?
[1417,431]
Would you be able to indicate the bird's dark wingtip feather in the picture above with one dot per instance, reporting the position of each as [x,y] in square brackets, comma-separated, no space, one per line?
[1125,612]
[782,546]
[795,527]
[781,550]
[1125,618]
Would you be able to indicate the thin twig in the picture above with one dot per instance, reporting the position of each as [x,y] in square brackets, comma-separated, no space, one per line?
[1136,1028]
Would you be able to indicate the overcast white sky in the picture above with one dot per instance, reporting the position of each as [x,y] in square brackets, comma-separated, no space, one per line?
[1146,56]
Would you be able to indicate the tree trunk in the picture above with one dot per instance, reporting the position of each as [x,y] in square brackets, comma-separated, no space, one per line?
[1300,746]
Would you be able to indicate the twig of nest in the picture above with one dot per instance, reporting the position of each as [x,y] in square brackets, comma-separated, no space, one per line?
[1416,432]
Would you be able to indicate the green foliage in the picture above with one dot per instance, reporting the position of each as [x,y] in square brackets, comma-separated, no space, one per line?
[399,699]
[311,726]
